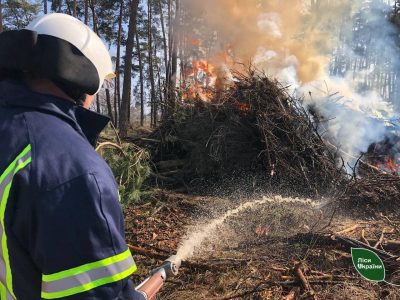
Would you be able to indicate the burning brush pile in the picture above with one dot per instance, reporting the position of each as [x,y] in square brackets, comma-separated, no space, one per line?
[252,129]
[378,182]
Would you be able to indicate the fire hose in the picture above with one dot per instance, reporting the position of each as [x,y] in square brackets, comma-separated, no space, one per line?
[152,284]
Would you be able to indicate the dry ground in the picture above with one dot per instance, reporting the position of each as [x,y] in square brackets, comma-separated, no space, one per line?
[253,255]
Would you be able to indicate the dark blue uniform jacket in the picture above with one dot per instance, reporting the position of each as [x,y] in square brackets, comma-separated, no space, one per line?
[61,225]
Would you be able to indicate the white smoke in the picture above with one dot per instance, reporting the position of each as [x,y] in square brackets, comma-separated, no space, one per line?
[270,23]
[354,118]
[351,122]
[295,40]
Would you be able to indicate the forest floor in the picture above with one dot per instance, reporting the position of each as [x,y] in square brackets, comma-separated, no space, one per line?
[274,251]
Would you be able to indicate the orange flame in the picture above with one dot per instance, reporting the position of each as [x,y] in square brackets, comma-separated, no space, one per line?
[202,78]
[392,166]
[389,165]
[194,42]
[199,77]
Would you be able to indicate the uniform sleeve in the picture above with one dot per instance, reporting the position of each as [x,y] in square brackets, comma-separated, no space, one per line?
[79,242]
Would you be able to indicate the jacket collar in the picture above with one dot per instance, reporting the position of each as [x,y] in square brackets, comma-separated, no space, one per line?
[86,122]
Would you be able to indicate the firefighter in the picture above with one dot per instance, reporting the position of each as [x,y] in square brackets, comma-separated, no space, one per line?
[61,224]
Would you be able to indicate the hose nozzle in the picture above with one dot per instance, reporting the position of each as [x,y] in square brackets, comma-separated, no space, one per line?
[155,281]
[172,265]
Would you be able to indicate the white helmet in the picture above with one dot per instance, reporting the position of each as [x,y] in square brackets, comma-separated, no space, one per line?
[72,30]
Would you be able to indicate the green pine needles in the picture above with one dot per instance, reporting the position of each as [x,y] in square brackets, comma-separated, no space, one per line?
[131,167]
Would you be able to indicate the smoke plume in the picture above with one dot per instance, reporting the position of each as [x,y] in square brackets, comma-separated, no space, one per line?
[296,41]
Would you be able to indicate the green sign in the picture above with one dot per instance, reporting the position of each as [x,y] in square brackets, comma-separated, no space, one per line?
[368,264]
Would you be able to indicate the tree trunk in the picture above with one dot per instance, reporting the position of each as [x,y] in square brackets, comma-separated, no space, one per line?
[182,58]
[165,51]
[70,11]
[168,92]
[116,100]
[86,12]
[174,59]
[108,100]
[92,8]
[1,16]
[175,44]
[74,10]
[45,9]
[94,19]
[164,36]
[60,7]
[141,78]
[126,91]
[160,93]
[98,104]
[153,99]
[117,95]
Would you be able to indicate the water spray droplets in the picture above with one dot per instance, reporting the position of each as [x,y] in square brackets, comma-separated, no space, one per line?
[195,238]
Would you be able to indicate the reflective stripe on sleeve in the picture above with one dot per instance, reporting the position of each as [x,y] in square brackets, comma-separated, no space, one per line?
[88,276]
[5,294]
[6,179]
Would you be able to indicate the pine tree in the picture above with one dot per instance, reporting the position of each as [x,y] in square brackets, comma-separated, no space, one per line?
[126,92]
[17,14]
[141,77]
[153,100]
[117,88]
[1,16]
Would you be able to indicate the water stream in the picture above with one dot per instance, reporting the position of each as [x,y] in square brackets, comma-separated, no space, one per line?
[194,239]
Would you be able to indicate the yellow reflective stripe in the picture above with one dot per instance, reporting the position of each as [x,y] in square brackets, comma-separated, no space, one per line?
[88,276]
[11,166]
[3,205]
[5,294]
[86,267]
[90,285]
[3,290]
[12,169]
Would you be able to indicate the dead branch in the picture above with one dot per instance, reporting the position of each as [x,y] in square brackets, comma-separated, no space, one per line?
[348,230]
[363,239]
[304,281]
[109,145]
[380,241]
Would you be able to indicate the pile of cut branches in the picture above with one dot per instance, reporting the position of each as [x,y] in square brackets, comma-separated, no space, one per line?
[373,190]
[254,127]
